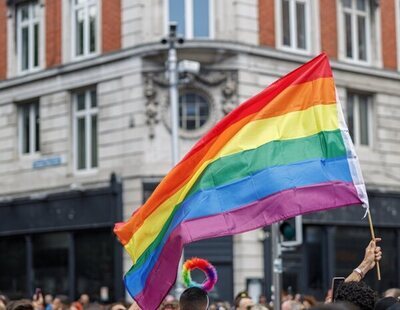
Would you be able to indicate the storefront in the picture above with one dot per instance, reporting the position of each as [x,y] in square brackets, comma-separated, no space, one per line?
[62,243]
[334,244]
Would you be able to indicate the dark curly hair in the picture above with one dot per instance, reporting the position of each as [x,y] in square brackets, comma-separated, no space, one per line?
[357,293]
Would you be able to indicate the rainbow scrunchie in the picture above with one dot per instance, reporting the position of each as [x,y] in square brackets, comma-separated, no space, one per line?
[203,265]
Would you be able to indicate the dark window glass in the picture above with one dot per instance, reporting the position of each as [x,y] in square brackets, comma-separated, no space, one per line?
[177,14]
[92,28]
[364,123]
[94,141]
[50,262]
[201,18]
[349,44]
[194,111]
[81,101]
[349,254]
[37,127]
[93,99]
[81,146]
[13,267]
[285,23]
[25,48]
[36,46]
[301,25]
[94,264]
[362,38]
[26,137]
[314,250]
[80,17]
[350,114]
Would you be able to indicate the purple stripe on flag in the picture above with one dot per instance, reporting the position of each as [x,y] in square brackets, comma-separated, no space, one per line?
[261,213]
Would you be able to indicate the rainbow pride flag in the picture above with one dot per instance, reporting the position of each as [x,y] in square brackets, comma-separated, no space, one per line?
[282,153]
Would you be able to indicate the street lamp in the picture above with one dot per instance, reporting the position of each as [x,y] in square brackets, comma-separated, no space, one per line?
[171,40]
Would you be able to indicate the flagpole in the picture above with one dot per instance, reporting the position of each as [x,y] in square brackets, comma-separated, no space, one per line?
[371,227]
[276,265]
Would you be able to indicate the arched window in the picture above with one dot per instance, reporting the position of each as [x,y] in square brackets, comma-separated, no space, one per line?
[194,111]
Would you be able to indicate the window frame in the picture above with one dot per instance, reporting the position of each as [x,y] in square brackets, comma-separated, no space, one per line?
[354,13]
[189,20]
[308,23]
[197,116]
[30,23]
[87,114]
[356,118]
[32,130]
[73,8]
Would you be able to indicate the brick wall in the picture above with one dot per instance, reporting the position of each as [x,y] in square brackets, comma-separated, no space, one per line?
[53,33]
[266,22]
[328,22]
[111,25]
[388,32]
[3,40]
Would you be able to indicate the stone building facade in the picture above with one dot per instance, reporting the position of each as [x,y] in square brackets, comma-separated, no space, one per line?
[85,130]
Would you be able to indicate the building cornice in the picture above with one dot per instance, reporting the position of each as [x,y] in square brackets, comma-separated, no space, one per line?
[149,49]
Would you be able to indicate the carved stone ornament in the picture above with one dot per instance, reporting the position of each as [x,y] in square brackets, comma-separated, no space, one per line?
[218,86]
[151,104]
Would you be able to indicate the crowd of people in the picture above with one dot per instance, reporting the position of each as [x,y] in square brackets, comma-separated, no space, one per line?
[350,295]
[353,293]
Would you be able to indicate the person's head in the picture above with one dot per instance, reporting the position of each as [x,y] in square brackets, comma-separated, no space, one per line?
[291,305]
[23,304]
[336,306]
[385,303]
[193,298]
[392,292]
[117,306]
[169,305]
[48,299]
[357,293]
[84,299]
[243,301]
[76,306]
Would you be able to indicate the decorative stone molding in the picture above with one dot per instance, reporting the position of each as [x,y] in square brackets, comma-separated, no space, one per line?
[219,87]
[151,103]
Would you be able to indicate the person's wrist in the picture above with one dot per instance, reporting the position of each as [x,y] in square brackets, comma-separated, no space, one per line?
[359,272]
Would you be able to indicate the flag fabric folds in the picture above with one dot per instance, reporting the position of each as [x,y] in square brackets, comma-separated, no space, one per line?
[283,152]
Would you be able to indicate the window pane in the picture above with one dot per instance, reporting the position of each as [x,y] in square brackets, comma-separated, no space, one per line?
[201,18]
[13,267]
[50,262]
[25,12]
[347,3]
[81,101]
[79,21]
[92,27]
[36,45]
[25,129]
[25,48]
[81,143]
[362,38]
[285,23]
[301,25]
[94,264]
[93,99]
[94,141]
[349,45]
[177,14]
[37,127]
[361,5]
[194,111]
[363,111]
[350,115]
